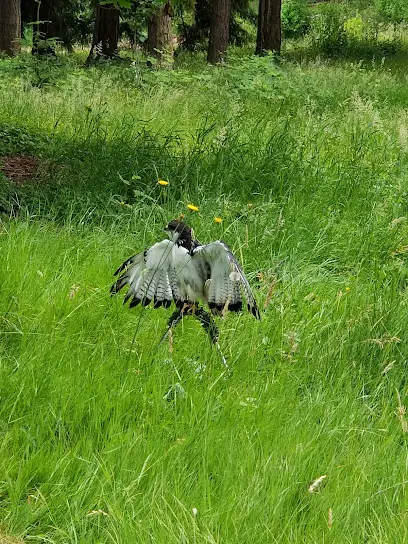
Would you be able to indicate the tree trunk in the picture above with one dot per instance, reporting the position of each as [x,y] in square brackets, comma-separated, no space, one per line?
[10,26]
[160,36]
[106,33]
[259,38]
[219,30]
[269,36]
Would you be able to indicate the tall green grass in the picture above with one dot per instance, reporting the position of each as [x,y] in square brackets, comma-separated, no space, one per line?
[106,436]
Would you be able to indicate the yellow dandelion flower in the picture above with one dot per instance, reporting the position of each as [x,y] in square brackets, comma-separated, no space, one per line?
[163,182]
[217,219]
[192,207]
[347,289]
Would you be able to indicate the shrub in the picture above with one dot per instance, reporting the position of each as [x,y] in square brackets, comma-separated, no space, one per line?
[354,27]
[295,18]
[327,28]
[394,11]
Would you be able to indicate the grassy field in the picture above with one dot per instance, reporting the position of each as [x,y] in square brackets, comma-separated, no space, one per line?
[106,437]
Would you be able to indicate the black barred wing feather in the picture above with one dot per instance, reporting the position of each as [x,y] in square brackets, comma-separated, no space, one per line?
[227,280]
[149,277]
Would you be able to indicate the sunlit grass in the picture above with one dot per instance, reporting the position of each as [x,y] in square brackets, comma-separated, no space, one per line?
[105,436]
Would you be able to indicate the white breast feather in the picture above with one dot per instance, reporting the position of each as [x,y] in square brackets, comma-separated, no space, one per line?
[190,279]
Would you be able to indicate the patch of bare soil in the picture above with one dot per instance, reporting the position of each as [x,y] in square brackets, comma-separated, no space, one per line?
[19,169]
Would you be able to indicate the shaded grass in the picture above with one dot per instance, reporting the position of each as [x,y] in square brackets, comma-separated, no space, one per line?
[307,166]
[234,133]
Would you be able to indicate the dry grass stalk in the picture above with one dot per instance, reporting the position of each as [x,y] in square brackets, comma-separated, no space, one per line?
[270,292]
[6,539]
[401,414]
[316,484]
[330,518]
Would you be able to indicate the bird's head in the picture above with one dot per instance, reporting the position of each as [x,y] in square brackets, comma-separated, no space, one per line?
[180,233]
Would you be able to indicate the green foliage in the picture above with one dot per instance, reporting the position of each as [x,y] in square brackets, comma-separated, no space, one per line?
[70,20]
[364,28]
[295,18]
[360,28]
[354,27]
[327,28]
[394,11]
[17,140]
[42,70]
[246,74]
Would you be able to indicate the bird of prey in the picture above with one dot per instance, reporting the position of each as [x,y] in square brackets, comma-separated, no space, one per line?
[181,270]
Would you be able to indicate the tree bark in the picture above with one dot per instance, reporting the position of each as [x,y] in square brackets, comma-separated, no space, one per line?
[160,36]
[106,33]
[10,26]
[219,30]
[269,35]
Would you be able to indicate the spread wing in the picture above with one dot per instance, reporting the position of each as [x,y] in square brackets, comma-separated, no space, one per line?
[227,280]
[149,277]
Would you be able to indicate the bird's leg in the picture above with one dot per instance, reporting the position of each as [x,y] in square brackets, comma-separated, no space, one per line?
[207,322]
[175,317]
[173,321]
